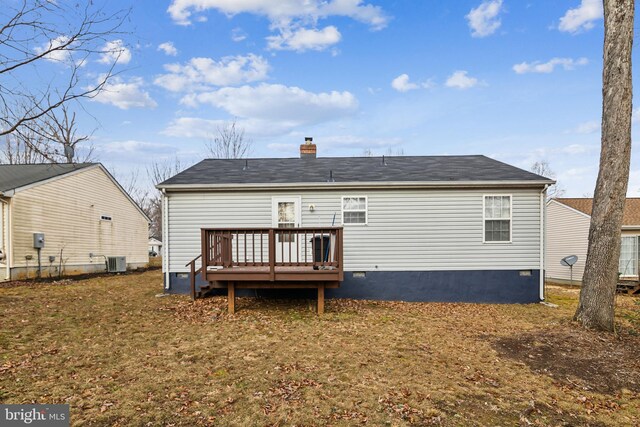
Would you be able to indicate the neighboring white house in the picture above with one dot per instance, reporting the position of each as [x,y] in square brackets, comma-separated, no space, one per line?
[155,245]
[67,218]
[568,222]
[416,228]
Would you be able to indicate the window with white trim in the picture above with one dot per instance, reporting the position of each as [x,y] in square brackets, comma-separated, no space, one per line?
[354,210]
[497,219]
[628,264]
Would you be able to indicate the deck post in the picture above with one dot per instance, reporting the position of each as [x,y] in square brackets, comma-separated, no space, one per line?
[272,255]
[340,250]
[205,254]
[231,297]
[321,298]
[193,280]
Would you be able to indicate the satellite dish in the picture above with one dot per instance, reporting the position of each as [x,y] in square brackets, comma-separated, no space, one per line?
[568,261]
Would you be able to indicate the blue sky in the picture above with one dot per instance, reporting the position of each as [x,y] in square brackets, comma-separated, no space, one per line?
[519,81]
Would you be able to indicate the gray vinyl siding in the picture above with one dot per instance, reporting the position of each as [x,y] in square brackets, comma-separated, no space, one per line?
[407,230]
[567,234]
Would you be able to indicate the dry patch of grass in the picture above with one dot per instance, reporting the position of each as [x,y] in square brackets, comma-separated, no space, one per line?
[585,360]
[119,355]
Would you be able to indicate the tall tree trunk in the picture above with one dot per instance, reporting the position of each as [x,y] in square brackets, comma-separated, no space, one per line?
[597,296]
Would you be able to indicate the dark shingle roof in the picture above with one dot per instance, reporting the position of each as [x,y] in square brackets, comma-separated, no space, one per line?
[16,176]
[350,169]
[631,215]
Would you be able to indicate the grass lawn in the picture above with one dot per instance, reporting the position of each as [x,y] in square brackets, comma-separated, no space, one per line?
[119,355]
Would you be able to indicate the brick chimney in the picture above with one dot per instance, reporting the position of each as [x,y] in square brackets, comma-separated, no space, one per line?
[308,149]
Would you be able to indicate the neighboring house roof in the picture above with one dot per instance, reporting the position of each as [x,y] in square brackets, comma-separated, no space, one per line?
[631,208]
[16,176]
[399,169]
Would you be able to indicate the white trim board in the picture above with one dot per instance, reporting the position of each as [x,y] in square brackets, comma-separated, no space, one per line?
[354,185]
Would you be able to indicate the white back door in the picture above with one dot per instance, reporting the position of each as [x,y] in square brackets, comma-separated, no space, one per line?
[287,213]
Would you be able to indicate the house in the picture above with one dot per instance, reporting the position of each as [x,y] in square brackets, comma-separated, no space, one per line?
[412,228]
[155,246]
[568,221]
[67,219]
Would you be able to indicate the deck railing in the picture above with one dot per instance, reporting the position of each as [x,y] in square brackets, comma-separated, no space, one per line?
[317,247]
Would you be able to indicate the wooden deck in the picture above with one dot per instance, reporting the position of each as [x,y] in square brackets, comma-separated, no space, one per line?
[631,287]
[235,258]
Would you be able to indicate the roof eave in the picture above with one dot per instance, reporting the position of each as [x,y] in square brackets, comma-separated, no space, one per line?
[347,185]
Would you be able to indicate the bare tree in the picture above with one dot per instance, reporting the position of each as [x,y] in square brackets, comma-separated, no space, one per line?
[157,173]
[368,152]
[398,152]
[132,184]
[53,138]
[229,143]
[33,32]
[542,168]
[25,147]
[597,296]
[61,129]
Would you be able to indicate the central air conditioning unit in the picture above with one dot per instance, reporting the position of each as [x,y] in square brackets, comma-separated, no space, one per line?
[116,264]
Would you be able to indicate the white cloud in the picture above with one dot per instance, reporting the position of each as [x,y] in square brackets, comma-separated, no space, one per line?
[284,148]
[277,103]
[199,128]
[402,83]
[359,142]
[115,52]
[192,127]
[586,128]
[302,39]
[549,66]
[203,73]
[579,149]
[282,12]
[635,116]
[168,48]
[61,55]
[582,17]
[461,80]
[238,34]
[125,95]
[264,110]
[483,20]
[135,147]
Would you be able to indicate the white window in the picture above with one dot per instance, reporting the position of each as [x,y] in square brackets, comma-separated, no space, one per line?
[354,210]
[286,219]
[629,256]
[497,219]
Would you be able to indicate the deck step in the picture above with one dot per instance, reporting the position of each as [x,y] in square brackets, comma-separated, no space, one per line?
[204,290]
[630,288]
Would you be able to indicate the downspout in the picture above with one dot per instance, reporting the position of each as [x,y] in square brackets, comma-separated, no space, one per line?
[7,238]
[165,238]
[543,205]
